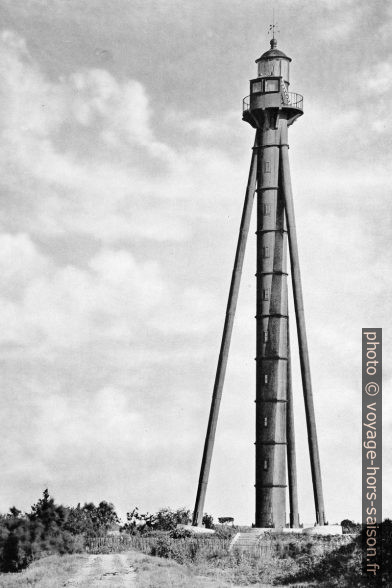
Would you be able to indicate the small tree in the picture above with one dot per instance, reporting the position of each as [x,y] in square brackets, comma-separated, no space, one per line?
[46,512]
[92,520]
[208,521]
[167,519]
[138,522]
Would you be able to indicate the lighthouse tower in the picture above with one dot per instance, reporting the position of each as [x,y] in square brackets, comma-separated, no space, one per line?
[270,109]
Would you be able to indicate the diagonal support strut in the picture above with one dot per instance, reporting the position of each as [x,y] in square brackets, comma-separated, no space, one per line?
[301,330]
[226,338]
[291,454]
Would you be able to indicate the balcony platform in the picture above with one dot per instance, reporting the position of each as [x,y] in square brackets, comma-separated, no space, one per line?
[254,105]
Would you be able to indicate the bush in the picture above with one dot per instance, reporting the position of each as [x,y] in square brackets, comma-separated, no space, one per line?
[91,520]
[167,519]
[162,547]
[42,531]
[138,523]
[350,527]
[182,551]
[208,521]
[16,550]
[180,533]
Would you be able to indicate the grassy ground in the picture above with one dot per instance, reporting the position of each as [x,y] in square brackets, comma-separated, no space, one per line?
[340,568]
[92,571]
[156,572]
[150,572]
[48,572]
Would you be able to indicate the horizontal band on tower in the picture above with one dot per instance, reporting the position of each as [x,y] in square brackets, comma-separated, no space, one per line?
[272,315]
[271,400]
[267,188]
[272,145]
[270,443]
[270,231]
[270,486]
[261,231]
[277,273]
[272,357]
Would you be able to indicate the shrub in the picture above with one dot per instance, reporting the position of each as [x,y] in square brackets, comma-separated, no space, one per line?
[208,521]
[91,520]
[138,523]
[162,547]
[350,527]
[42,531]
[167,519]
[180,533]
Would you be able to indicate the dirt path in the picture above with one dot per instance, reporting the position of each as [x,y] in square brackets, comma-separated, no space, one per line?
[112,570]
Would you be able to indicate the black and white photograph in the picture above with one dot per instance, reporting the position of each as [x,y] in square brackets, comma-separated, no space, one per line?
[195,287]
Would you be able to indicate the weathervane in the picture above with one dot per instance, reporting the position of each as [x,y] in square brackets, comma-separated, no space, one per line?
[273,28]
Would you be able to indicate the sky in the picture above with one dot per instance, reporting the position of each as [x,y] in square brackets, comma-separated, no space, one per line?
[124,163]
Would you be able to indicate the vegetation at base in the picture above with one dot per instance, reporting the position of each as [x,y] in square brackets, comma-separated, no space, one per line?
[343,565]
[49,528]
[350,527]
[287,560]
[208,521]
[151,572]
[166,519]
[165,573]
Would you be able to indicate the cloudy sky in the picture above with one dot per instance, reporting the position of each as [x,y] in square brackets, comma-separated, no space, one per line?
[123,169]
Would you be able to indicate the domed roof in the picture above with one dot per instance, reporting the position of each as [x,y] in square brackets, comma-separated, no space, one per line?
[273,52]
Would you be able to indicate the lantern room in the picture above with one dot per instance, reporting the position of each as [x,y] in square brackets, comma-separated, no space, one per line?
[274,64]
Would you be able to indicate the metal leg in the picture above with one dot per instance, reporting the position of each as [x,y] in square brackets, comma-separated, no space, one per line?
[291,456]
[302,340]
[226,337]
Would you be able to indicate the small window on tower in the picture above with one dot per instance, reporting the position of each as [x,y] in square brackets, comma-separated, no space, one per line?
[267,209]
[256,87]
[266,464]
[266,294]
[267,167]
[265,378]
[265,336]
[266,421]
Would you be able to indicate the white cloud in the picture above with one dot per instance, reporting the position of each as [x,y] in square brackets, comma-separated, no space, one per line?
[20,261]
[113,299]
[87,160]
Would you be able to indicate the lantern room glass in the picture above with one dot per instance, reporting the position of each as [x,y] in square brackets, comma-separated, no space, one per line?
[275,67]
[271,85]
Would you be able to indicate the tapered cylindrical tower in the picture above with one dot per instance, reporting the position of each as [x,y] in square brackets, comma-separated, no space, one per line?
[270,108]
